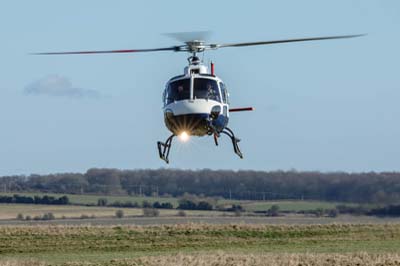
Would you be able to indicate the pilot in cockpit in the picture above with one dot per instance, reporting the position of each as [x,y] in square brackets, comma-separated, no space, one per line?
[212,92]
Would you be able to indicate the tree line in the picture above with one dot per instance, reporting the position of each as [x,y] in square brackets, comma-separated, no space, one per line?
[49,200]
[368,187]
[129,204]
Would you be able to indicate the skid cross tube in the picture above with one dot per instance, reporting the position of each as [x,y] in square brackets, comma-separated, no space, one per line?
[164,148]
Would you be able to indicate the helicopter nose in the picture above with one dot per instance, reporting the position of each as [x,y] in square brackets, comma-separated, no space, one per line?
[199,106]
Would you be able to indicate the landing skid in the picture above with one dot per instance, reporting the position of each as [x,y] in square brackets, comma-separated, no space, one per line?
[227,131]
[164,148]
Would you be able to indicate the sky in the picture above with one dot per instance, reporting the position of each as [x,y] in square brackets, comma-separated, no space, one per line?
[324,106]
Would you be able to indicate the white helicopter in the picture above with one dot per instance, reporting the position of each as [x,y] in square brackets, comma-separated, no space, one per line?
[196,103]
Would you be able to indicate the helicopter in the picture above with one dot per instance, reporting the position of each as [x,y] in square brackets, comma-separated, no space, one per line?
[196,103]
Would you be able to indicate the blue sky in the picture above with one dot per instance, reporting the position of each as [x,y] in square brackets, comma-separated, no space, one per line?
[328,106]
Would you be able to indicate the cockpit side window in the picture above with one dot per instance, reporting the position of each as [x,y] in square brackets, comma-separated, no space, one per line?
[178,90]
[206,89]
[224,93]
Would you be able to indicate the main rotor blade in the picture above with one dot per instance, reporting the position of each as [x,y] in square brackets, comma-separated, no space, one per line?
[174,48]
[287,40]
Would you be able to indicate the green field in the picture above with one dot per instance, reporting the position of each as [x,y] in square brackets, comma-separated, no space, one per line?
[175,244]
[284,205]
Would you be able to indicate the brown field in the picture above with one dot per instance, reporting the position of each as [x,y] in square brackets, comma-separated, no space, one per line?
[230,259]
[71,214]
[10,211]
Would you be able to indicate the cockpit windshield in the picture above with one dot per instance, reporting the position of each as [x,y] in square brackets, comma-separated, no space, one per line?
[206,89]
[178,90]
[203,88]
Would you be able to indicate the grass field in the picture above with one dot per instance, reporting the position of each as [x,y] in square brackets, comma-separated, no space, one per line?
[201,244]
[284,205]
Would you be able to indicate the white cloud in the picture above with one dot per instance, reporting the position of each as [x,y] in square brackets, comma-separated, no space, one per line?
[55,85]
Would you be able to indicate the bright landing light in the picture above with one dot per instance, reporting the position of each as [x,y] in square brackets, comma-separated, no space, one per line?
[184,136]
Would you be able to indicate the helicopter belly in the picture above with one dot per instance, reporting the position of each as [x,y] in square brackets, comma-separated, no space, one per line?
[193,117]
[192,124]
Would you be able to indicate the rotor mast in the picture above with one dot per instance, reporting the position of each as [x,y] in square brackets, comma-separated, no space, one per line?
[194,47]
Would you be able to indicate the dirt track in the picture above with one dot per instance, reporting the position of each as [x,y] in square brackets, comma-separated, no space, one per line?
[293,219]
